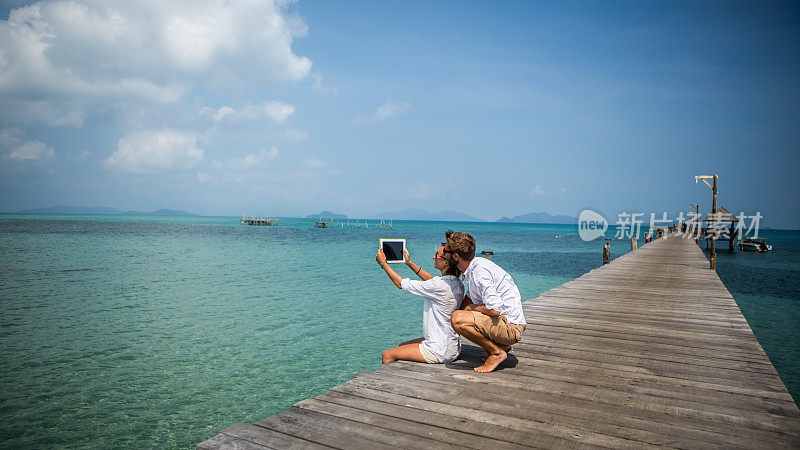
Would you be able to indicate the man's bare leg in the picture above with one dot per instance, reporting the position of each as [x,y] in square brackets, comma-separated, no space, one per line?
[408,352]
[464,324]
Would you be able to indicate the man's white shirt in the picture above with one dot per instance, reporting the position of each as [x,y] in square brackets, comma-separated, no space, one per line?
[489,285]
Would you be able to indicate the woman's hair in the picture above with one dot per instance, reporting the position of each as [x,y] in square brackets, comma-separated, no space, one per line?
[451,269]
[461,243]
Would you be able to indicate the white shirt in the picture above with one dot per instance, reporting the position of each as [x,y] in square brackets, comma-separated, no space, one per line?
[443,295]
[489,285]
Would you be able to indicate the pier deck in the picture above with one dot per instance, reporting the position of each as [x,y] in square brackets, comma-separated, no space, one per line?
[650,350]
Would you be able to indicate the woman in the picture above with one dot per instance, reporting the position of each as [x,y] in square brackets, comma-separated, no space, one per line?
[443,295]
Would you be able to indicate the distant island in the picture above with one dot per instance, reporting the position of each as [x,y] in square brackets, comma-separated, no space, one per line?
[540,217]
[104,210]
[326,215]
[405,214]
[452,216]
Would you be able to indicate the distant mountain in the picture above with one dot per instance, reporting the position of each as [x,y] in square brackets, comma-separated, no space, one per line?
[104,210]
[421,214]
[326,215]
[159,212]
[539,217]
[73,210]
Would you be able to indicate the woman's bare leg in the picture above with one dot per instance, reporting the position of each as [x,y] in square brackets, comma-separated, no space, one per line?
[413,341]
[408,352]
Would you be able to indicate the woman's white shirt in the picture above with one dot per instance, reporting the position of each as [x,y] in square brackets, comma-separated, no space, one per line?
[443,295]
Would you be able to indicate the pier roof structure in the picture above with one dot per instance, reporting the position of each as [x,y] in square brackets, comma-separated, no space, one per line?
[722,215]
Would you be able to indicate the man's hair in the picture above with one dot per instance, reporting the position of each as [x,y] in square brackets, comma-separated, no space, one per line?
[461,243]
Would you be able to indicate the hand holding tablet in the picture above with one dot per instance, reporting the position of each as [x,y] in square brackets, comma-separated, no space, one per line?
[393,249]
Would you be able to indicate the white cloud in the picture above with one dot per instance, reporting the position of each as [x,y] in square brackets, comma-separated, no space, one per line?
[13,141]
[85,154]
[319,87]
[315,163]
[32,151]
[537,191]
[10,137]
[277,111]
[385,111]
[60,60]
[153,151]
[295,135]
[272,110]
[254,159]
[221,113]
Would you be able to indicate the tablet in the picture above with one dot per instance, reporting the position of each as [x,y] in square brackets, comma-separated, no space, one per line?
[393,249]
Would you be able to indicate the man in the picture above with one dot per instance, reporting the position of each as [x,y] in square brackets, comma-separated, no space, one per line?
[491,315]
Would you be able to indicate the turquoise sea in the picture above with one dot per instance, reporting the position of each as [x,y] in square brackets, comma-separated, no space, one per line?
[129,331]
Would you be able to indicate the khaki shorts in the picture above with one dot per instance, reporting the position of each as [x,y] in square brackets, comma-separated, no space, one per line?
[497,328]
[430,358]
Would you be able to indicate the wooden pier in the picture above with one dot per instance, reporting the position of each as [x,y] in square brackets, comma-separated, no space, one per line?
[649,350]
[259,221]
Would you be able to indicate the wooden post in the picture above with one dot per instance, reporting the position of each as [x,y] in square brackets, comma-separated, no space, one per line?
[714,226]
[731,231]
[607,252]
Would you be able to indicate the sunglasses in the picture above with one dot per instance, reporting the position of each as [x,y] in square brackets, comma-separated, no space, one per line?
[445,250]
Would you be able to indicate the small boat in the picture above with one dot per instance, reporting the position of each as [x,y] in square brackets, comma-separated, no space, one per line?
[755,245]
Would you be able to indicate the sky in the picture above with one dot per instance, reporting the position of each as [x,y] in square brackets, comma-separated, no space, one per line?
[488,108]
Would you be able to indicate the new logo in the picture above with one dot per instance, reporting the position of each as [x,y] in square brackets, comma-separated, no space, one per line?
[591,225]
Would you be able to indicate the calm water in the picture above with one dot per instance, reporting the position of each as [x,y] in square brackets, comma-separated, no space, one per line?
[159,332]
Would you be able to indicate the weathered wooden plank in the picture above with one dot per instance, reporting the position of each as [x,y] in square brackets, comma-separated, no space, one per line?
[325,430]
[533,335]
[223,441]
[669,373]
[645,426]
[634,385]
[643,316]
[534,344]
[539,364]
[674,332]
[665,396]
[398,438]
[266,438]
[511,429]
[689,414]
[732,346]
[410,422]
[683,364]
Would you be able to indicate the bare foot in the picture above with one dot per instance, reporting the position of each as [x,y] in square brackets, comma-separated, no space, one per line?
[505,348]
[492,362]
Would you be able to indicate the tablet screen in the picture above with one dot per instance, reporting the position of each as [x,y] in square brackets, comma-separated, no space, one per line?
[393,249]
